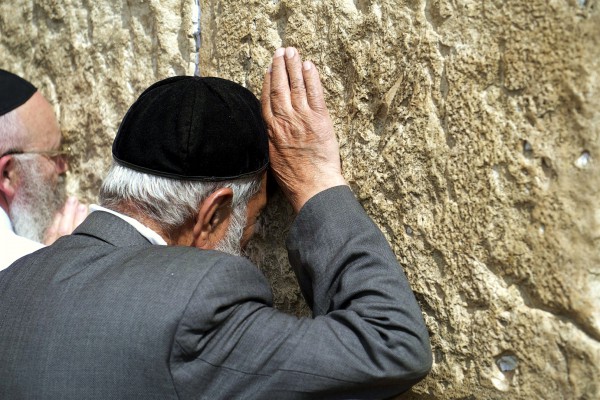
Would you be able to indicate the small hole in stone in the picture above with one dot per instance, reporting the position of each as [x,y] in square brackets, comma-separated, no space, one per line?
[527,149]
[439,356]
[548,168]
[584,159]
[507,363]
[408,230]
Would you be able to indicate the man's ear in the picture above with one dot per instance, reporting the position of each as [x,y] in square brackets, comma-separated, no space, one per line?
[212,219]
[8,178]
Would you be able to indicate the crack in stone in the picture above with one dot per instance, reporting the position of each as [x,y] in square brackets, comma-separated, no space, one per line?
[429,17]
[196,23]
[531,303]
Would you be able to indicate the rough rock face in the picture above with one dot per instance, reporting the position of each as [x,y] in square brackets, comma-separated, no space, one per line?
[469,130]
[91,59]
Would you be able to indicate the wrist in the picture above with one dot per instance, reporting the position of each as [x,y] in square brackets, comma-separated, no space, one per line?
[298,200]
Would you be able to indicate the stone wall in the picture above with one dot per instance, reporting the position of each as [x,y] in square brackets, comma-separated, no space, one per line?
[469,130]
[91,59]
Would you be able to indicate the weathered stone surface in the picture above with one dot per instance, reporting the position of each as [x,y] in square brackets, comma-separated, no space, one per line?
[469,130]
[91,59]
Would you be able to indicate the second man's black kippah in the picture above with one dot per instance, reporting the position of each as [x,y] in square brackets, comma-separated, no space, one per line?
[14,91]
[194,128]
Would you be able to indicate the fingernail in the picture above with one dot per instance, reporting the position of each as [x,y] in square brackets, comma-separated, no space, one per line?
[270,68]
[306,65]
[72,200]
[82,208]
[279,52]
[289,52]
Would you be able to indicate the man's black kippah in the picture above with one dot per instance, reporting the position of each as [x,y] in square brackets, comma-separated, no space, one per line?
[194,128]
[14,91]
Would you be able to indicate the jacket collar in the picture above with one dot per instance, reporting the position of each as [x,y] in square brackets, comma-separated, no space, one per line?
[111,229]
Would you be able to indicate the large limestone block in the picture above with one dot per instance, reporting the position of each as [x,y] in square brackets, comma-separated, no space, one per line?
[469,131]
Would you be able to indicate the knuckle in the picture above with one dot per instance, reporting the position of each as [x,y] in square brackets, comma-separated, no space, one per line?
[284,119]
[282,111]
[301,107]
[297,84]
[277,91]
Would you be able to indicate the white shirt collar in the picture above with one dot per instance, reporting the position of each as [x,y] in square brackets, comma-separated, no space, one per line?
[5,221]
[148,233]
[12,246]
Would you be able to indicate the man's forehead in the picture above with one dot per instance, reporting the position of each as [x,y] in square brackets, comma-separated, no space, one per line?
[39,121]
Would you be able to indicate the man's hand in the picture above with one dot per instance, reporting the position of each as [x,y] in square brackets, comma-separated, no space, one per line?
[66,220]
[303,149]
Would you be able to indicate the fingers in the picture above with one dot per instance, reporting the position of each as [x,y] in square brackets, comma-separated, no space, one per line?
[291,82]
[80,215]
[293,64]
[68,215]
[279,87]
[65,221]
[265,98]
[52,232]
[314,89]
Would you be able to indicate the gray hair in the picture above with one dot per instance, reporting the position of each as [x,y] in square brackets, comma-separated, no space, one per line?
[169,202]
[11,132]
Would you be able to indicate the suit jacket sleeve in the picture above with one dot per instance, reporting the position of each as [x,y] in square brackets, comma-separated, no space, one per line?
[367,338]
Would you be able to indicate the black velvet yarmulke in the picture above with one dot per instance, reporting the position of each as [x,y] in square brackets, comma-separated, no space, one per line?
[14,91]
[194,128]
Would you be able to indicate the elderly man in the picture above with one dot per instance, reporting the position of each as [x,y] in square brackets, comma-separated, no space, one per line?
[105,314]
[32,170]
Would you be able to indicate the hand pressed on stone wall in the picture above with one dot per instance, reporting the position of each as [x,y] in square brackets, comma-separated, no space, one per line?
[66,220]
[304,152]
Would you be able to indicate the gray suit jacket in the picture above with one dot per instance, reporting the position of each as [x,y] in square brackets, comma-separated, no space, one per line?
[103,314]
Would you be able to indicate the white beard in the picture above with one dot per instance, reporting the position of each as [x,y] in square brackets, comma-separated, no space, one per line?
[36,201]
[232,242]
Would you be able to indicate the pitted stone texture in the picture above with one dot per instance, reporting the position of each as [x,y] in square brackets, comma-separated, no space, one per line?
[91,59]
[468,130]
